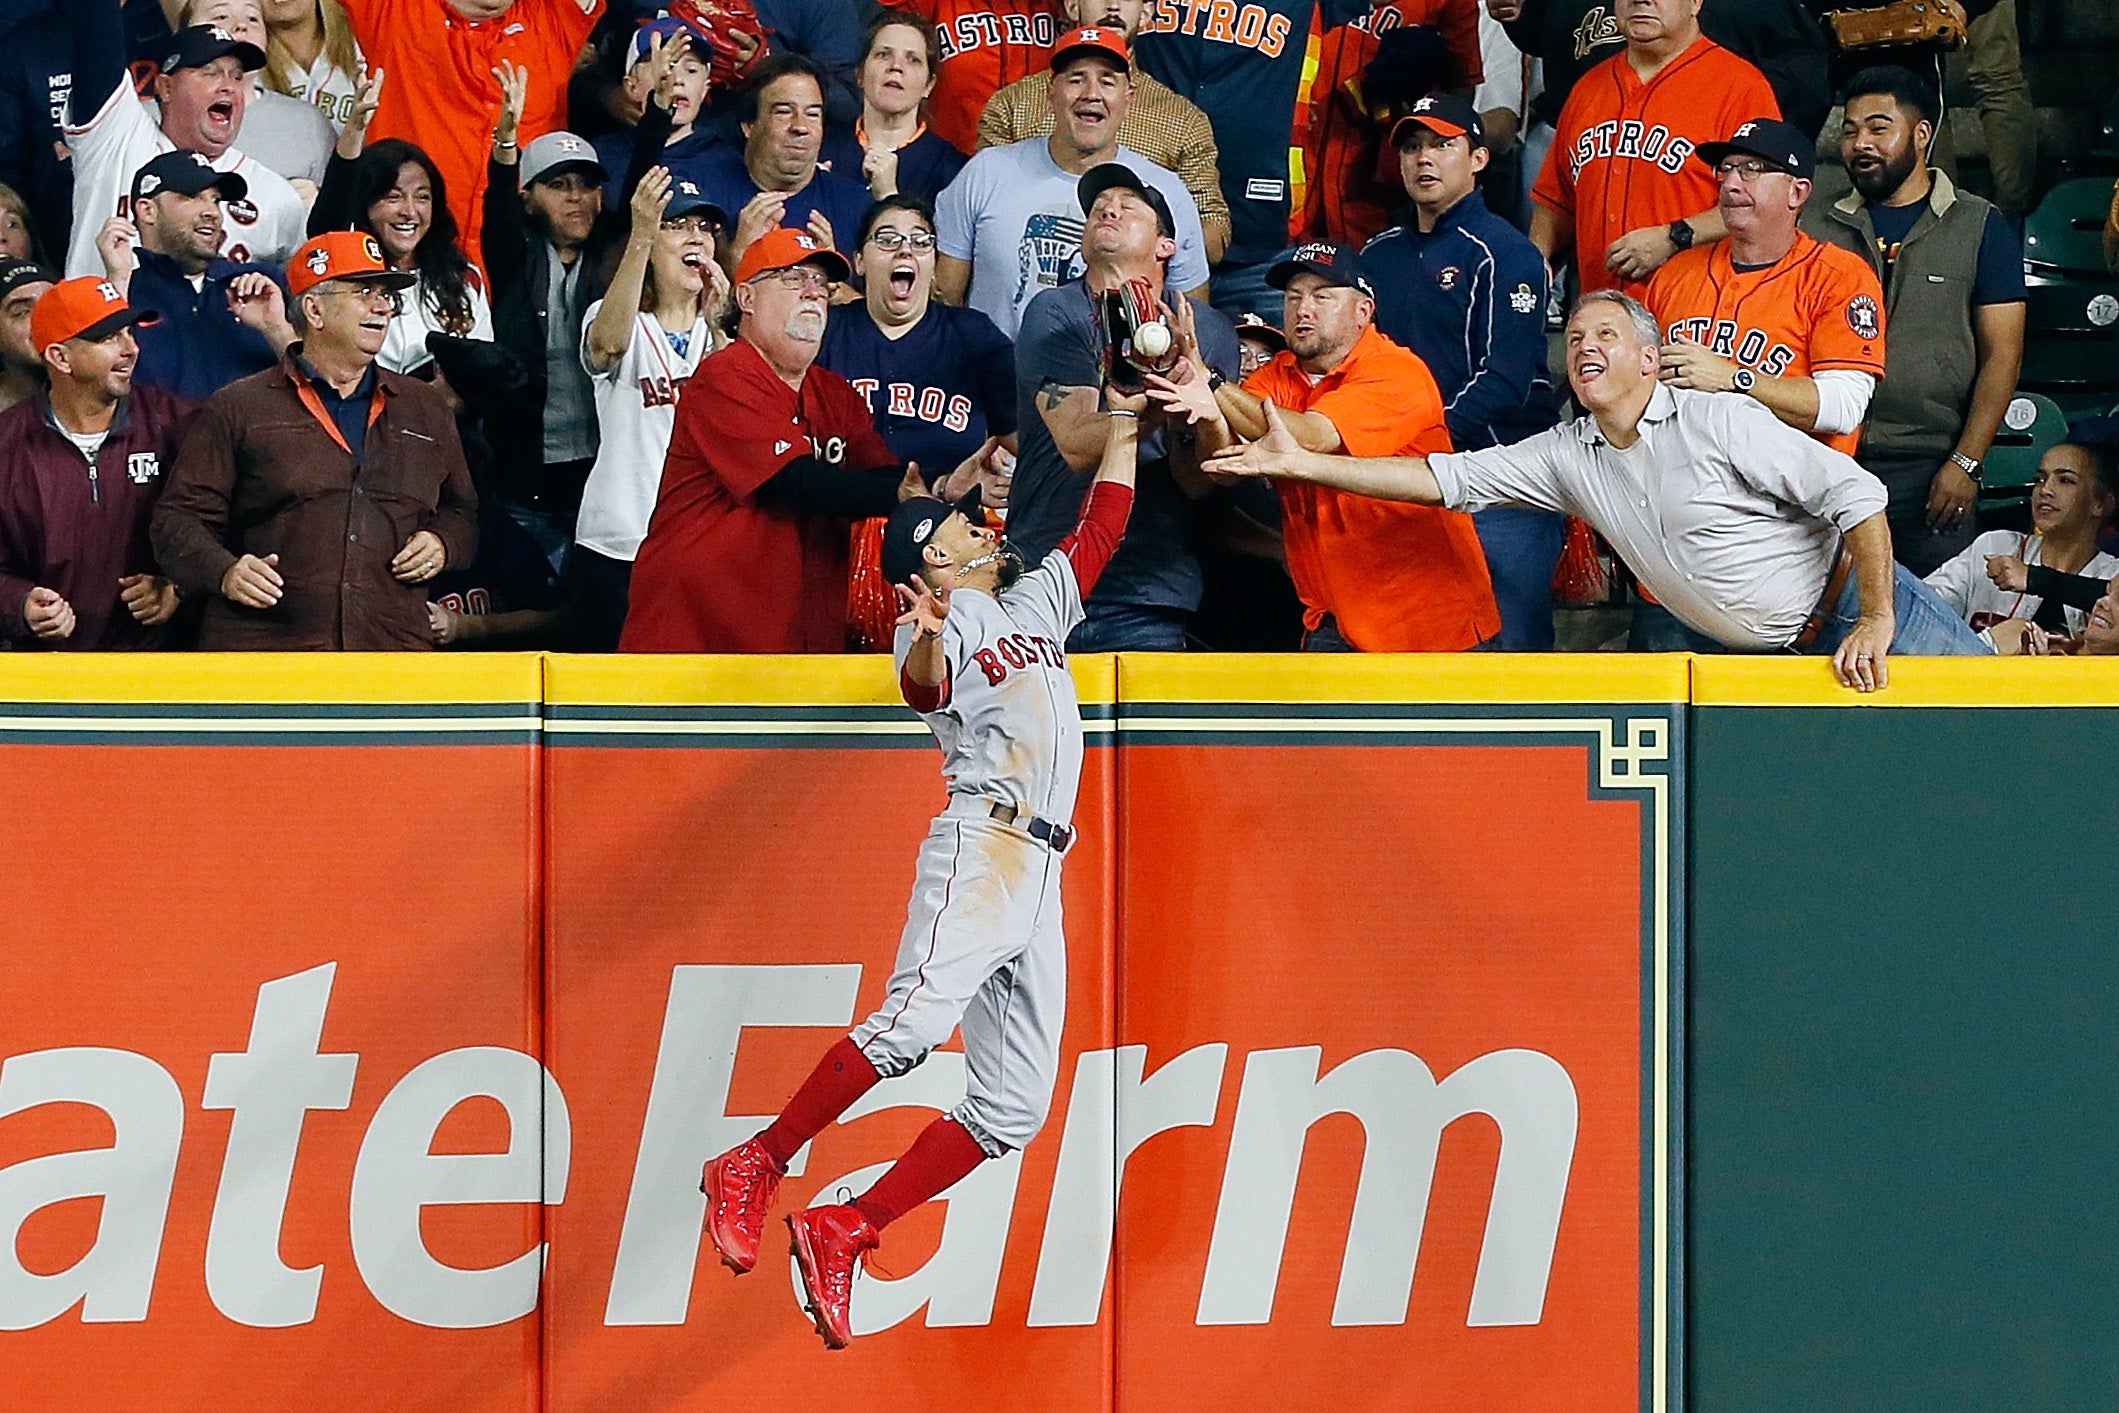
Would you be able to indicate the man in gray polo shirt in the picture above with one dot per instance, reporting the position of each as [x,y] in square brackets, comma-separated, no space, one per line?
[1755,536]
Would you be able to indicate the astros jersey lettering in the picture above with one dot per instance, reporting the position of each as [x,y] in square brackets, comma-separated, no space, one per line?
[1621,157]
[986,45]
[1817,307]
[937,391]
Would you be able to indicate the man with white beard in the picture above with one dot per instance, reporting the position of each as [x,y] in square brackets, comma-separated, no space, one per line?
[770,464]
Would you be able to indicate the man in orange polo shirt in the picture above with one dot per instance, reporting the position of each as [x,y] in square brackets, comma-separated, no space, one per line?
[438,58]
[1374,576]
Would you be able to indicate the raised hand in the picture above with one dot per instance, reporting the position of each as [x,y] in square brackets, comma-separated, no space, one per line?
[650,199]
[119,245]
[926,610]
[366,99]
[514,81]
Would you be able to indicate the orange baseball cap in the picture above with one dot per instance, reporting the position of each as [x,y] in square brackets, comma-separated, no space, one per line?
[85,307]
[785,247]
[342,255]
[1092,39]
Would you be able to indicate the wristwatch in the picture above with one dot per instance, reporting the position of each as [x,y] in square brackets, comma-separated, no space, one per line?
[1681,235]
[1743,380]
[1215,380]
[1966,464]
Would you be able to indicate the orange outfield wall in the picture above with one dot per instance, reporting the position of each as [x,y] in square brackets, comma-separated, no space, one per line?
[1368,1015]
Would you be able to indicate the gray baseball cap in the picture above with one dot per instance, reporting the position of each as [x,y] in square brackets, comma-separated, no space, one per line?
[558,152]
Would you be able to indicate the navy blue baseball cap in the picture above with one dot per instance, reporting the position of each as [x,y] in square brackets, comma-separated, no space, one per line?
[188,174]
[196,46]
[1100,179]
[1779,145]
[1329,261]
[685,198]
[1443,114]
[912,525]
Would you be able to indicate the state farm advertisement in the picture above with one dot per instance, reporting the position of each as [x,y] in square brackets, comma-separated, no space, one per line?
[346,1077]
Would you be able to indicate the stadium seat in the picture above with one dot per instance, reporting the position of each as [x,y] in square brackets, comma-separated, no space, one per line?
[2072,319]
[2032,424]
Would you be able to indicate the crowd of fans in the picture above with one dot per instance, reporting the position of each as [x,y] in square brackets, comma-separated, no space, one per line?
[604,325]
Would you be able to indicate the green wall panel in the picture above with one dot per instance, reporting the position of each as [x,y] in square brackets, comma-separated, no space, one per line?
[1904,1059]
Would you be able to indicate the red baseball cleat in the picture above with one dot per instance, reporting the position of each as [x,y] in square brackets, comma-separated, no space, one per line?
[740,1186]
[828,1244]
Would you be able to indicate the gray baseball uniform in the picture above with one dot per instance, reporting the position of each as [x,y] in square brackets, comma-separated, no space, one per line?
[983,943]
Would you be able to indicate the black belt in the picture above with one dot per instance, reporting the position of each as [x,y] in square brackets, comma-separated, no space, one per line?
[1056,837]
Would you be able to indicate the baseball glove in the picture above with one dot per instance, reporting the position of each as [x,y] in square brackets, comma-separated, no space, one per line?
[721,23]
[1125,317]
[1941,23]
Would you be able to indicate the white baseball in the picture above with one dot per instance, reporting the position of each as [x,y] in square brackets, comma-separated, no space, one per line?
[1152,340]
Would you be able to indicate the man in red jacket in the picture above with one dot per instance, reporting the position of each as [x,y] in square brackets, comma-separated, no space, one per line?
[770,464]
[81,466]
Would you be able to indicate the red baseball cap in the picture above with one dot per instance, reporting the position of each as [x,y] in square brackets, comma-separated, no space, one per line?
[85,307]
[1092,39]
[785,247]
[342,255]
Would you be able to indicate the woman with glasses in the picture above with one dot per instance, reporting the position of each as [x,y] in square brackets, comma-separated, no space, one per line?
[659,318]
[939,379]
[890,146]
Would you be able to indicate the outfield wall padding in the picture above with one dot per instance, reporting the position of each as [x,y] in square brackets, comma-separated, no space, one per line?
[1574,1033]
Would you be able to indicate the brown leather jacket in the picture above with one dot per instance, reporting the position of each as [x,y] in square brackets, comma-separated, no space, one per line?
[262,474]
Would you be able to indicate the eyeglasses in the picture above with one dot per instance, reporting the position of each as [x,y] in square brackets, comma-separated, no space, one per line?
[690,221]
[374,294]
[1745,171]
[922,241]
[803,279]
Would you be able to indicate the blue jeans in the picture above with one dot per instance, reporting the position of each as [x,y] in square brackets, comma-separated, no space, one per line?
[1129,628]
[1656,629]
[1326,638]
[1927,627]
[1522,550]
[554,534]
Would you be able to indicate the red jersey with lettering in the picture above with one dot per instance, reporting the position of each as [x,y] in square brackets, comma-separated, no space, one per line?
[1817,307]
[986,45]
[720,571]
[1621,156]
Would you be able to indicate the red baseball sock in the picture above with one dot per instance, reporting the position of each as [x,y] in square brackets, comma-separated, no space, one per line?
[944,1152]
[842,1076]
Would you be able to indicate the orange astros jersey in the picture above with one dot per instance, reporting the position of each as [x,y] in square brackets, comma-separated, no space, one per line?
[1621,155]
[1817,307]
[986,45]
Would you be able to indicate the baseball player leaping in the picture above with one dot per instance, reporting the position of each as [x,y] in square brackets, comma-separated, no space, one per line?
[980,658]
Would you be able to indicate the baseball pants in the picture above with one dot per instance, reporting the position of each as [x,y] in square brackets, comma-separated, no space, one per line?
[983,948]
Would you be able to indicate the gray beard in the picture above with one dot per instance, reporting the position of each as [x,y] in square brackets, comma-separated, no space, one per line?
[805,326]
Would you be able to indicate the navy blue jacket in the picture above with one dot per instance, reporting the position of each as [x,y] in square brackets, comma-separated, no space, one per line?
[1469,298]
[198,347]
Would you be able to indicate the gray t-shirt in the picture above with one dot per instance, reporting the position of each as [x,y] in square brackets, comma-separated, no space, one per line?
[1154,565]
[1014,214]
